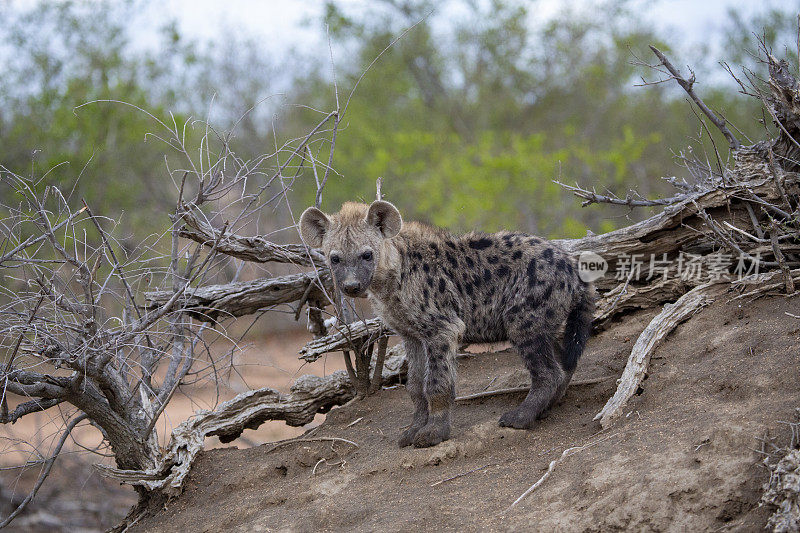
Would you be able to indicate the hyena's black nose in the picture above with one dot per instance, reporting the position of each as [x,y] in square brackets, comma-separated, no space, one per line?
[351,287]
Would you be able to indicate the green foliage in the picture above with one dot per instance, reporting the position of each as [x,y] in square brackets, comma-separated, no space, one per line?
[470,124]
[65,57]
[469,117]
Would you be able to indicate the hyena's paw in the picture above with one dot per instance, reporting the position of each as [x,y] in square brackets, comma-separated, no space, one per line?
[407,437]
[431,435]
[519,418]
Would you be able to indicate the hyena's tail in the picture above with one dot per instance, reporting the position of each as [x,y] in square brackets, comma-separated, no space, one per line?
[576,332]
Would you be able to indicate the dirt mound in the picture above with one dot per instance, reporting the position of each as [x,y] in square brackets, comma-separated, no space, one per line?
[683,457]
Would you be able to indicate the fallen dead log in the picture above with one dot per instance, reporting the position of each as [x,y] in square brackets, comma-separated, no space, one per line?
[678,225]
[757,285]
[658,328]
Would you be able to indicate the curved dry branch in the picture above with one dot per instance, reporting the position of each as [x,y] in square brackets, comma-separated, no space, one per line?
[658,328]
[308,396]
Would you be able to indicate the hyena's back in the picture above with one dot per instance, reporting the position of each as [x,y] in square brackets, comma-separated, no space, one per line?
[503,286]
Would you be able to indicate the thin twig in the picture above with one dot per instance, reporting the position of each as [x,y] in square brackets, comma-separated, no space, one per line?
[688,86]
[463,474]
[526,388]
[46,471]
[566,453]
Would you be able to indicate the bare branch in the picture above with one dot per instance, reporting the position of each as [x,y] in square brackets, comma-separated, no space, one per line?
[254,249]
[688,86]
[45,471]
[241,298]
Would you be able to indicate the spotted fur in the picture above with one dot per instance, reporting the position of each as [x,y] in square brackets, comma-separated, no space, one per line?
[438,290]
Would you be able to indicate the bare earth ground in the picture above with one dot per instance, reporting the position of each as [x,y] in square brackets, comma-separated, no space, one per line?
[683,458]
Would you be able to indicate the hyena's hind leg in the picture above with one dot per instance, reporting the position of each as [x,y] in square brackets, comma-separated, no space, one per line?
[576,333]
[415,385]
[534,337]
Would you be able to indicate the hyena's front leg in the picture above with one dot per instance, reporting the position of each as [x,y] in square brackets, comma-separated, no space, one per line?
[415,385]
[440,391]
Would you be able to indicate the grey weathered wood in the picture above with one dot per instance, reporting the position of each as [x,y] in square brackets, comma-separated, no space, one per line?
[658,328]
[256,249]
[245,297]
[343,336]
[308,396]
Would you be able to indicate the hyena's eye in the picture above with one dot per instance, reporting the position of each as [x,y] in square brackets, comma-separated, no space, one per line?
[367,256]
[335,259]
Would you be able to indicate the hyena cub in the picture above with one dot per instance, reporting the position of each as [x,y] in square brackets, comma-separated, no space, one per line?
[437,290]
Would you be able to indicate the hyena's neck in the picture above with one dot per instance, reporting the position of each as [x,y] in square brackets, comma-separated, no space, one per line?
[386,279]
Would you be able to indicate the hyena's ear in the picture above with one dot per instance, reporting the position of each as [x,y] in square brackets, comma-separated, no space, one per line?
[385,217]
[313,226]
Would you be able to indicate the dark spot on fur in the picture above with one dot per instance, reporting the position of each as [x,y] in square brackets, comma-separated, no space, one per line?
[468,287]
[549,313]
[487,275]
[561,264]
[493,259]
[503,271]
[547,255]
[425,293]
[470,262]
[516,256]
[414,268]
[435,248]
[429,281]
[441,285]
[426,268]
[531,272]
[561,284]
[547,292]
[480,244]
[451,244]
[451,259]
[477,281]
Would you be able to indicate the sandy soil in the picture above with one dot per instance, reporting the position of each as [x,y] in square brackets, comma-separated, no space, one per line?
[683,458]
